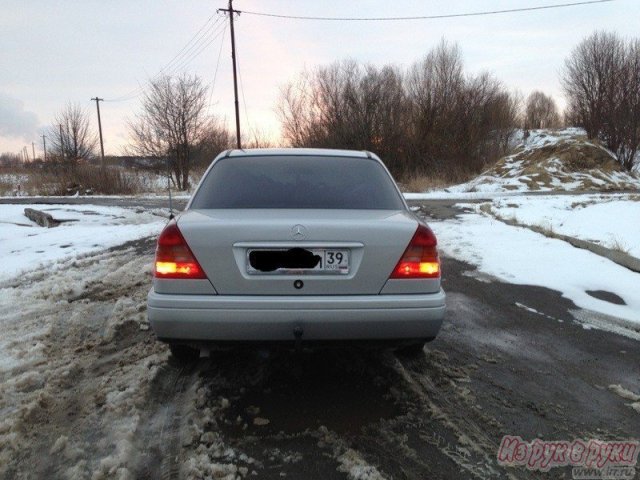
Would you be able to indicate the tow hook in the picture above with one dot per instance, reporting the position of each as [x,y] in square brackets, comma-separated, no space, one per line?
[297,333]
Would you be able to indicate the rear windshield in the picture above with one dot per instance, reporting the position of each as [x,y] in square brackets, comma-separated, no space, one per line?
[297,182]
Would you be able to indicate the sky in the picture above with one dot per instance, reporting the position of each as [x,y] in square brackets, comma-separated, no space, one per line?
[57,51]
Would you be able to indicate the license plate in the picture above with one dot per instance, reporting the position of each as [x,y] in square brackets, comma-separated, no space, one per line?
[329,261]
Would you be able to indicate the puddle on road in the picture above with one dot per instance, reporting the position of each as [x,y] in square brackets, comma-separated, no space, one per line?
[606,296]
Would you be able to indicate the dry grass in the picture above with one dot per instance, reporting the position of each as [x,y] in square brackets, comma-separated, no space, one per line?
[6,188]
[574,156]
[512,217]
[546,227]
[487,208]
[618,245]
[511,187]
[423,183]
[67,179]
[84,179]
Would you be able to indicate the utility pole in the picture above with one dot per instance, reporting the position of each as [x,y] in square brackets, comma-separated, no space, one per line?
[33,149]
[44,146]
[98,100]
[231,12]
[61,141]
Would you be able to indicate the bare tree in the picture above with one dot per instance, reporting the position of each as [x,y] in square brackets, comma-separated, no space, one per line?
[601,80]
[172,123]
[458,124]
[215,138]
[541,112]
[71,137]
[623,134]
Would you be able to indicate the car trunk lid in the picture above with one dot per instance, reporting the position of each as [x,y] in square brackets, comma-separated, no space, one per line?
[279,251]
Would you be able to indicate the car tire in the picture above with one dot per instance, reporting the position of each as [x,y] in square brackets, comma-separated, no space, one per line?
[411,350]
[184,353]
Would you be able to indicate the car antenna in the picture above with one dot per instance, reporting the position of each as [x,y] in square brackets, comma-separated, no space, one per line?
[171,215]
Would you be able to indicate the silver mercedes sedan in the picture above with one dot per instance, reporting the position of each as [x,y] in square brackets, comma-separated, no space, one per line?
[296,245]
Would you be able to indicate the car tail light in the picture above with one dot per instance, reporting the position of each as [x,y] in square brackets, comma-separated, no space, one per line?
[174,258]
[420,259]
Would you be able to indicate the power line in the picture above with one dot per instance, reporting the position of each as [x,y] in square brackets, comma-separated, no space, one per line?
[428,17]
[168,69]
[246,115]
[193,38]
[183,63]
[212,38]
[197,47]
[187,53]
[215,74]
[197,37]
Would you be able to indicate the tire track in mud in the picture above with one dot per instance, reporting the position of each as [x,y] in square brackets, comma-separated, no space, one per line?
[342,414]
[456,425]
[159,440]
[170,433]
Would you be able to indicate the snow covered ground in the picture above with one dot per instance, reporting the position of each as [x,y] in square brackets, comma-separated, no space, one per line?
[520,256]
[609,220]
[26,246]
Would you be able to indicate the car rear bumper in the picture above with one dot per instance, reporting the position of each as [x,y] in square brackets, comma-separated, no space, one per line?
[273,318]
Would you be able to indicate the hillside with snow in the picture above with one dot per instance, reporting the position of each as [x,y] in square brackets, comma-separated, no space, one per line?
[553,160]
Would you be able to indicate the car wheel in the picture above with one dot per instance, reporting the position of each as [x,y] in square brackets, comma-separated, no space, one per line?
[184,353]
[411,350]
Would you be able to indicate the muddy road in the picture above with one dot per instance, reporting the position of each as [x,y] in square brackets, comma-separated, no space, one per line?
[87,392]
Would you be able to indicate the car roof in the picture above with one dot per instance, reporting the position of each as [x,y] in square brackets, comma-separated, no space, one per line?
[315,152]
